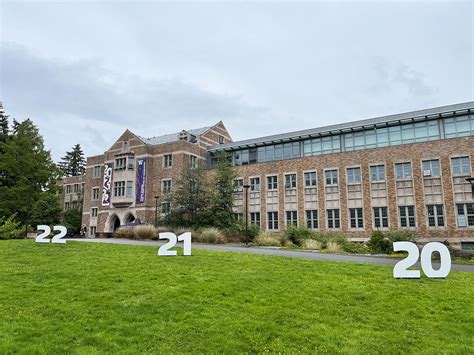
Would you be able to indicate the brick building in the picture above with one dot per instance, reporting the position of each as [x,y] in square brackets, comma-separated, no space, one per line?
[407,170]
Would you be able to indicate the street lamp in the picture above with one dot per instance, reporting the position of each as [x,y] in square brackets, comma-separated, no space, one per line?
[471,181]
[246,187]
[156,209]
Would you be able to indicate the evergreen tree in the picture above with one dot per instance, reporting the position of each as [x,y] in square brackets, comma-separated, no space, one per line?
[74,162]
[28,171]
[222,213]
[4,132]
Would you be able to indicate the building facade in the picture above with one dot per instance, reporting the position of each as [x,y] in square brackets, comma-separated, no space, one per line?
[410,170]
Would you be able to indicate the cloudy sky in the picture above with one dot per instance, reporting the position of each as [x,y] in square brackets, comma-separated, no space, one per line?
[85,71]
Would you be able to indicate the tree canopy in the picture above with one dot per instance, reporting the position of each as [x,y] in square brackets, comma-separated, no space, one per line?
[74,162]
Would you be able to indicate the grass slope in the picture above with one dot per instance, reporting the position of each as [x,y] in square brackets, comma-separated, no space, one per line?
[87,298]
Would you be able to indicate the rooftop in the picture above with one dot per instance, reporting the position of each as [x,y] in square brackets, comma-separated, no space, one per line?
[401,118]
[173,137]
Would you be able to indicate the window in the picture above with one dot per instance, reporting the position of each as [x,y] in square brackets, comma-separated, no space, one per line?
[95,193]
[459,126]
[377,173]
[255,218]
[403,170]
[165,207]
[255,184]
[435,215]
[167,161]
[465,214]
[193,186]
[310,179]
[193,162]
[221,139]
[96,171]
[461,166]
[131,163]
[353,175]
[66,206]
[318,146]
[290,181]
[76,187]
[272,182]
[267,153]
[291,218]
[380,217]
[312,219]
[68,189]
[119,188]
[273,220]
[93,230]
[238,185]
[238,216]
[120,163]
[407,216]
[129,188]
[431,168]
[74,204]
[356,218]
[331,177]
[166,187]
[93,212]
[333,218]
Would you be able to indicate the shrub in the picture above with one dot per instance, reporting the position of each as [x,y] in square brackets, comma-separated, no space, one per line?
[72,220]
[212,235]
[311,244]
[284,240]
[325,238]
[355,248]
[333,247]
[267,239]
[145,231]
[297,235]
[9,229]
[378,244]
[126,233]
[401,235]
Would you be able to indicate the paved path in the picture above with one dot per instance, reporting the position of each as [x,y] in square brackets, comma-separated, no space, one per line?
[302,254]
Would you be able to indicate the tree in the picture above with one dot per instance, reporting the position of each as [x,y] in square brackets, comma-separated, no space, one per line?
[27,171]
[190,197]
[221,212]
[46,210]
[72,220]
[73,163]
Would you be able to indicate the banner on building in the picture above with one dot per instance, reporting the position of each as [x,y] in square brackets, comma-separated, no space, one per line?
[106,187]
[141,176]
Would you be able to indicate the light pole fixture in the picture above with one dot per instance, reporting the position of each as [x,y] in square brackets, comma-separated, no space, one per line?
[156,209]
[471,181]
[246,187]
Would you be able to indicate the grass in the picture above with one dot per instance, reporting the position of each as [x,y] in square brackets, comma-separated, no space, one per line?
[96,298]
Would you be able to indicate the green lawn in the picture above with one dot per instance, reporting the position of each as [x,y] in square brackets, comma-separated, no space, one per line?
[87,298]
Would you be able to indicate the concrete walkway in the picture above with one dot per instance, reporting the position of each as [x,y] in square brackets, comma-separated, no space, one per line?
[302,254]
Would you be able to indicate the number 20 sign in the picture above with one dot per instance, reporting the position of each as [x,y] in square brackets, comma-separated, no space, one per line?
[400,271]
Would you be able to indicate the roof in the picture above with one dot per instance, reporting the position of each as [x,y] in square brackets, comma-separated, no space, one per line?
[407,117]
[173,137]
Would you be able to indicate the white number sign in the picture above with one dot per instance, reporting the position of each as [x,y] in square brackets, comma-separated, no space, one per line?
[164,250]
[43,237]
[400,271]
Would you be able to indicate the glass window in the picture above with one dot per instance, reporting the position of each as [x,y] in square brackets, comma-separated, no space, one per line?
[377,173]
[273,220]
[461,166]
[255,184]
[310,179]
[120,163]
[435,215]
[353,176]
[459,126]
[131,163]
[333,218]
[96,172]
[94,212]
[312,219]
[193,162]
[119,188]
[356,218]
[380,217]
[291,218]
[168,161]
[238,185]
[290,181]
[95,193]
[403,170]
[465,214]
[431,168]
[166,186]
[331,177]
[129,188]
[407,216]
[272,182]
[255,218]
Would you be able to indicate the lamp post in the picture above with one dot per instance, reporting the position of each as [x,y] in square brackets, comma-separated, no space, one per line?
[156,209]
[471,181]
[246,187]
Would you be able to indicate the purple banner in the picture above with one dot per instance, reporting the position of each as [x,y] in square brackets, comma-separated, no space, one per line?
[141,176]
[106,185]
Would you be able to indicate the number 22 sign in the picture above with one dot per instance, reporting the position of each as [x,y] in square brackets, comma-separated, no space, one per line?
[43,237]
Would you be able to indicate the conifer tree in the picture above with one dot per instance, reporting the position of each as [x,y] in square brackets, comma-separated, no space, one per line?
[73,163]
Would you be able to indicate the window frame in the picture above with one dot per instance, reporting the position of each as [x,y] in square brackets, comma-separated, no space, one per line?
[311,180]
[273,221]
[314,220]
[332,177]
[167,161]
[436,216]
[381,218]
[334,218]
[357,218]
[407,216]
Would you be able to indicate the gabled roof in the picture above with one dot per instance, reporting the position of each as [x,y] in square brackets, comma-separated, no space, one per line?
[384,121]
[173,137]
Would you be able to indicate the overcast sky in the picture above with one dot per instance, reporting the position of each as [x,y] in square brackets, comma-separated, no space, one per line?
[86,71]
